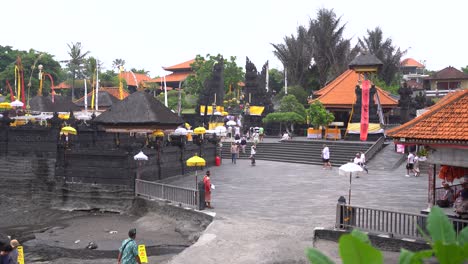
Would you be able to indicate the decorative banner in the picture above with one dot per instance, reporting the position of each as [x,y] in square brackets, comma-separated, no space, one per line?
[142,253]
[365,110]
[20,255]
[400,148]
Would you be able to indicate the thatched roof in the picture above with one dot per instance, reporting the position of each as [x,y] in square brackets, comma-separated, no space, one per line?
[104,99]
[140,108]
[365,60]
[60,104]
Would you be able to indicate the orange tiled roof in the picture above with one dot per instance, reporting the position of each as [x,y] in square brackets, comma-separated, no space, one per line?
[410,62]
[180,66]
[173,77]
[62,85]
[340,93]
[114,91]
[446,120]
[130,77]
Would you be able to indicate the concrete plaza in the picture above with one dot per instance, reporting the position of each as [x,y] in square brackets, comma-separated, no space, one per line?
[267,213]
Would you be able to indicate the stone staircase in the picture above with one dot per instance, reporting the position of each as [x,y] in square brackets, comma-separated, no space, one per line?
[301,151]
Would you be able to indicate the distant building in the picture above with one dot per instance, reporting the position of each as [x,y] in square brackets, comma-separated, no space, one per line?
[180,72]
[413,73]
[449,78]
[135,81]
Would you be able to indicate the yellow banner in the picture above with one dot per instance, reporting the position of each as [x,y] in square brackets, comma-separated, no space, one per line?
[355,128]
[20,255]
[256,110]
[210,109]
[142,253]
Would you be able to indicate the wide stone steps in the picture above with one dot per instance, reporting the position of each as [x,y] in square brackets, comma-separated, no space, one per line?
[303,152]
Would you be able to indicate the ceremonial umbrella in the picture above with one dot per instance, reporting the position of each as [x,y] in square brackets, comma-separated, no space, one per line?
[17,103]
[231,123]
[69,130]
[5,105]
[199,130]
[180,131]
[220,130]
[348,169]
[158,133]
[196,161]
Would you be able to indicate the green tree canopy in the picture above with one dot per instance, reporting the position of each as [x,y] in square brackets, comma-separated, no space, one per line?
[389,54]
[318,115]
[75,64]
[173,100]
[289,103]
[299,92]
[203,66]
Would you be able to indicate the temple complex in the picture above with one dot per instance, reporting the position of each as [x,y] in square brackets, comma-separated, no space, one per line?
[179,73]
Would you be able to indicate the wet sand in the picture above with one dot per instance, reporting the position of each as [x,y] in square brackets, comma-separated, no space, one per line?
[56,236]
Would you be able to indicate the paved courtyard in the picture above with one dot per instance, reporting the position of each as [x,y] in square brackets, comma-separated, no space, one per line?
[267,213]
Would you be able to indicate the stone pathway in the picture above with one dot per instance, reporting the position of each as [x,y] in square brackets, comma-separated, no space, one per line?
[262,211]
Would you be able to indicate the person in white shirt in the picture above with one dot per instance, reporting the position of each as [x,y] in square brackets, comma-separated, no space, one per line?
[363,162]
[285,136]
[253,151]
[326,157]
[410,164]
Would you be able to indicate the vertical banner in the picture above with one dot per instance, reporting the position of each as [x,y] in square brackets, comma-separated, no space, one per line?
[365,110]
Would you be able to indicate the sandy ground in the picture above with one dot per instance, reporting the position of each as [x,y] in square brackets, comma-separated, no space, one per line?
[55,236]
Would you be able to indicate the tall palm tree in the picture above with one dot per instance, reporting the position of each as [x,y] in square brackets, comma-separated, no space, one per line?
[331,52]
[296,56]
[390,55]
[117,63]
[77,58]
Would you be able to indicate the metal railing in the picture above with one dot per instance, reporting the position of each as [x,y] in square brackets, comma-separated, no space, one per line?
[154,190]
[370,153]
[395,224]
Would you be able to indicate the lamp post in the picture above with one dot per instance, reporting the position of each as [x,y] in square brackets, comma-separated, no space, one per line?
[40,67]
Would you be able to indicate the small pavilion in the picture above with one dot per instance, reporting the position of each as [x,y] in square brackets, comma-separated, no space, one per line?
[140,112]
[339,96]
[443,132]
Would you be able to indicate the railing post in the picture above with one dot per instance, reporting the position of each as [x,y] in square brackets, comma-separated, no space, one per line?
[201,196]
[339,213]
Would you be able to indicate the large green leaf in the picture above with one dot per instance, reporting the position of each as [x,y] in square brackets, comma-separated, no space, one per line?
[317,257]
[440,227]
[408,257]
[361,236]
[449,254]
[463,237]
[354,251]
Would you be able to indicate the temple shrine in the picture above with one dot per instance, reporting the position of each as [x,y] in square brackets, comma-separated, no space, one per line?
[179,73]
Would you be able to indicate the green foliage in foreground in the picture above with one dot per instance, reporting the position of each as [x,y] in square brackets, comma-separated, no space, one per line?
[355,248]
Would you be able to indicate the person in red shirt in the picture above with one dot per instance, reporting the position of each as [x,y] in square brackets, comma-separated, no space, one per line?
[207,182]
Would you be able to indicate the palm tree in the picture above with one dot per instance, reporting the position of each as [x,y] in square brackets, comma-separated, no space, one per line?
[331,52]
[296,55]
[385,51]
[117,63]
[76,61]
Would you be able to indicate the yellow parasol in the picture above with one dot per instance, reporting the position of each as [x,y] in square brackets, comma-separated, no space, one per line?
[187,126]
[199,130]
[225,113]
[64,116]
[196,161]
[69,130]
[5,105]
[158,133]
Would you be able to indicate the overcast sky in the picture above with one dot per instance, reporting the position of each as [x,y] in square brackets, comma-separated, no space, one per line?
[153,34]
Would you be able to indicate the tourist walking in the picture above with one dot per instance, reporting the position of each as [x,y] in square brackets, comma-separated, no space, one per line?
[326,157]
[14,253]
[128,252]
[410,164]
[5,254]
[416,165]
[363,162]
[234,152]
[253,151]
[207,183]
[237,131]
[255,137]
[243,144]
[261,133]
